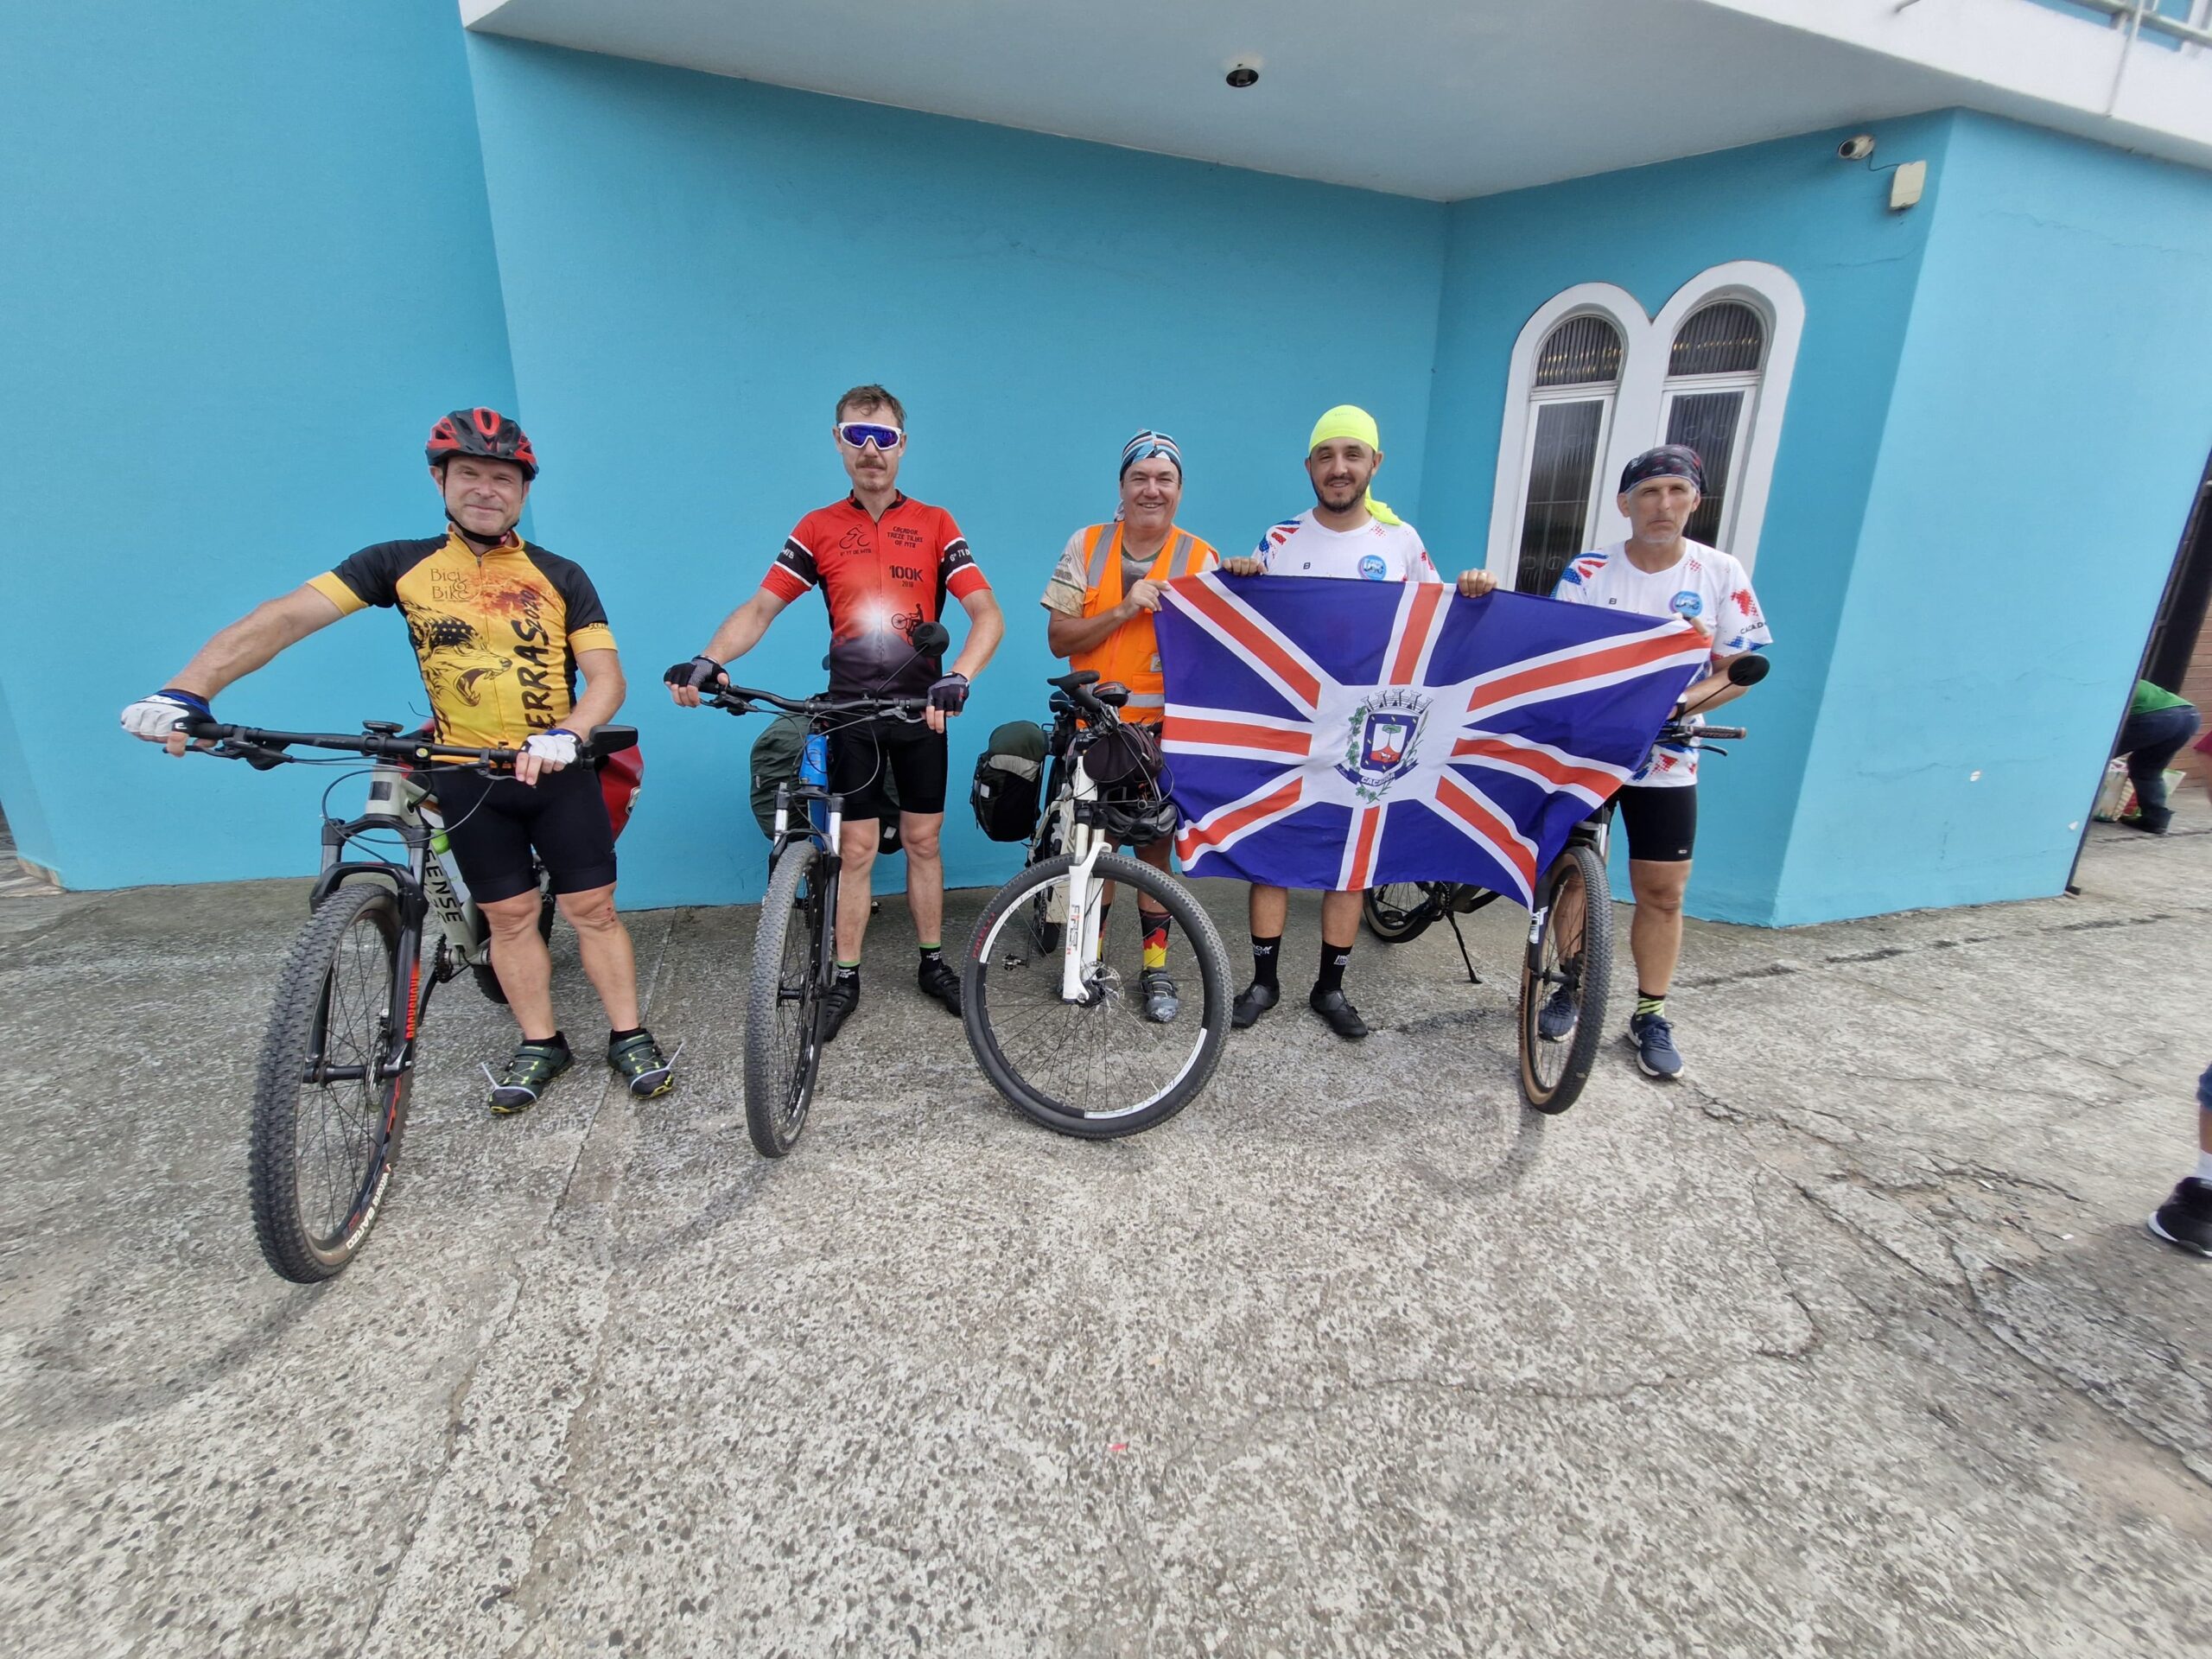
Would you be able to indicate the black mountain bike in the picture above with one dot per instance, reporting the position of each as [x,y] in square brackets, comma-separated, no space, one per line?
[1058,1025]
[795,951]
[338,1060]
[1567,965]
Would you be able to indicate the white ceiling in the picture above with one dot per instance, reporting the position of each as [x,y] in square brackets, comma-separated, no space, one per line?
[1440,99]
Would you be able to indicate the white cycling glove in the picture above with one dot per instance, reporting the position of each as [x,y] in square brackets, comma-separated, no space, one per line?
[154,717]
[557,747]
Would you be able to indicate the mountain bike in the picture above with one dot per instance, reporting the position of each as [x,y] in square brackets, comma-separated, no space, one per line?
[1568,962]
[794,950]
[337,1060]
[1051,1017]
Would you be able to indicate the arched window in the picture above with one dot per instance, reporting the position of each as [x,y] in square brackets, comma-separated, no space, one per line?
[1576,374]
[1708,401]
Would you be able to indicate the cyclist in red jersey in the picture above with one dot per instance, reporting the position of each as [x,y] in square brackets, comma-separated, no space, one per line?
[884,563]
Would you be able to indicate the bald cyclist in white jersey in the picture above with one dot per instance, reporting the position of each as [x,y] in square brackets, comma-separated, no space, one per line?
[1350,535]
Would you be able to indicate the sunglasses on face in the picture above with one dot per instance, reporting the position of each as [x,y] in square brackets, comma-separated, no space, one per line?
[858,434]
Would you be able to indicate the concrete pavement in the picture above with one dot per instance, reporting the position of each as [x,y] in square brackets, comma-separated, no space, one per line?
[1851,1343]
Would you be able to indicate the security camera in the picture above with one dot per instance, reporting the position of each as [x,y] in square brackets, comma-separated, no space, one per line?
[1241,75]
[1857,148]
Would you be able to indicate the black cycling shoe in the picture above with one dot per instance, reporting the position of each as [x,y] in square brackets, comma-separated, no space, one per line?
[837,1005]
[644,1067]
[1252,1002]
[1338,1014]
[534,1066]
[938,979]
[2185,1219]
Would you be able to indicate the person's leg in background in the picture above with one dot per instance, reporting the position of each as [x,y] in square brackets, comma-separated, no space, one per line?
[2185,1219]
[2149,740]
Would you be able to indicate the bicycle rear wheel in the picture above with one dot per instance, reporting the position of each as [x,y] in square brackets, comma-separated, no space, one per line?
[321,1149]
[783,1012]
[1569,961]
[1399,911]
[1098,1067]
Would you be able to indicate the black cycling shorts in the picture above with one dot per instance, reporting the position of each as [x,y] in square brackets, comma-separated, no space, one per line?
[1660,822]
[916,759]
[493,825]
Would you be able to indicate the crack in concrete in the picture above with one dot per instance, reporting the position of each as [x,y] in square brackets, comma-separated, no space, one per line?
[1971,1309]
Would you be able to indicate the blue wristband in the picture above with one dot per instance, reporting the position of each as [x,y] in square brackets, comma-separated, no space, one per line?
[198,704]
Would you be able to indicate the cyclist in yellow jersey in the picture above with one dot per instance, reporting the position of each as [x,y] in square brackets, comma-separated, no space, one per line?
[501,632]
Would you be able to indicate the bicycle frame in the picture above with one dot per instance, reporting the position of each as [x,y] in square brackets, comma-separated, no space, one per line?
[399,803]
[1084,842]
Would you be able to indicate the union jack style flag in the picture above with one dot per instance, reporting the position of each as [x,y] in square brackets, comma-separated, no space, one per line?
[1348,733]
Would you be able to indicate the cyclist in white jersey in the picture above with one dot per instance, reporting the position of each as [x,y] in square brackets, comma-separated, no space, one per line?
[1350,535]
[1658,571]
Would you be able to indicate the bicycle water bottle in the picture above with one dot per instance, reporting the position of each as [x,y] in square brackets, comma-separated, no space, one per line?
[814,769]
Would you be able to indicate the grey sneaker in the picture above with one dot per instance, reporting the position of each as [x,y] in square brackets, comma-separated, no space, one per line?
[534,1066]
[1654,1040]
[644,1067]
[1162,1001]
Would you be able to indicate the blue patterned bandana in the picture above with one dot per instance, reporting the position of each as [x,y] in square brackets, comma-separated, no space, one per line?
[1144,446]
[1668,461]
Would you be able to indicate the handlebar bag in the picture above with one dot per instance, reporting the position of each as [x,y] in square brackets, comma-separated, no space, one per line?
[1009,778]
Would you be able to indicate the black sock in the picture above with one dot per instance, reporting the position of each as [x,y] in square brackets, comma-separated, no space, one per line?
[614,1036]
[1333,959]
[1265,953]
[849,973]
[558,1040]
[930,953]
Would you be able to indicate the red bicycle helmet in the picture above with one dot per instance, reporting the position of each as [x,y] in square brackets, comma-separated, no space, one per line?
[480,432]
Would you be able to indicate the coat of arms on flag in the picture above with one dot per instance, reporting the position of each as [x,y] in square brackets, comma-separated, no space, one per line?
[1347,733]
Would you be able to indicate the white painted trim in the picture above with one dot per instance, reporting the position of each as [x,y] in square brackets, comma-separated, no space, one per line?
[1639,401]
[1625,313]
[1774,293]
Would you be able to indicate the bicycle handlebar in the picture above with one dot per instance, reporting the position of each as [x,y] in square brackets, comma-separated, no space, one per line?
[740,699]
[264,748]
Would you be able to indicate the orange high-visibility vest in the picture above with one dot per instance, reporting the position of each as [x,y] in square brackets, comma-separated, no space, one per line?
[1130,655]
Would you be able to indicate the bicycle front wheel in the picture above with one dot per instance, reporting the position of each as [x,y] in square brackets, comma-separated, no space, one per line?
[783,1012]
[1400,911]
[328,1106]
[1564,979]
[1096,1066]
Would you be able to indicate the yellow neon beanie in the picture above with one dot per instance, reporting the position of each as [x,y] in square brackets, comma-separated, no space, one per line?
[1351,422]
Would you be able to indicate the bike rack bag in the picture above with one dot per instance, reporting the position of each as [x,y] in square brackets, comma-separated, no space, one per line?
[1009,778]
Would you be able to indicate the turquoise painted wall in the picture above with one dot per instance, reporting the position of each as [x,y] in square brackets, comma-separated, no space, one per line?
[695,267]
[2050,420]
[247,261]
[1789,203]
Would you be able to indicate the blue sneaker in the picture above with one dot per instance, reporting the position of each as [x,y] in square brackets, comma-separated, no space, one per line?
[1561,1013]
[1654,1041]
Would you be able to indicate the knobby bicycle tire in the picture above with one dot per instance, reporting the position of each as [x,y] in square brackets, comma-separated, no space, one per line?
[783,1008]
[1578,865]
[1394,924]
[1008,908]
[315,976]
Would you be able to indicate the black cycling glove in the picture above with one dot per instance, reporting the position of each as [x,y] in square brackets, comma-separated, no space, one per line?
[699,673]
[949,693]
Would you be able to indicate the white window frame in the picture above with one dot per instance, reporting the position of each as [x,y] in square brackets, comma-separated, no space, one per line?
[1637,419]
[1516,447]
[1607,396]
[1694,386]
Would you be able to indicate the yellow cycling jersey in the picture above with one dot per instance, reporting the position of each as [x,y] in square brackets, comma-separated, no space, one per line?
[496,635]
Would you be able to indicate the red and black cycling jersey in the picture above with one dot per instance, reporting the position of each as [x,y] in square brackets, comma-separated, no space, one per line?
[880,580]
[496,634]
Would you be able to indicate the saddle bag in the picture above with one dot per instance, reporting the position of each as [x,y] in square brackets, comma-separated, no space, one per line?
[1009,780]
